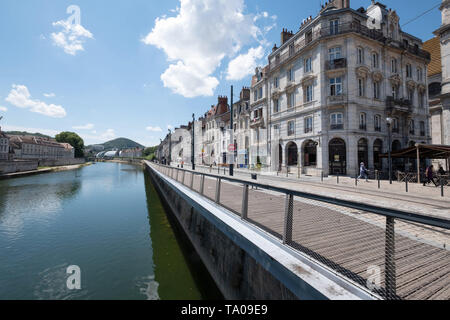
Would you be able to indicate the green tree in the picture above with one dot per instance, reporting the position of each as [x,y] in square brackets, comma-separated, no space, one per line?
[74,140]
[149,151]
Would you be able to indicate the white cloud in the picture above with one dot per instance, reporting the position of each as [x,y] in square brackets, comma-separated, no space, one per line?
[197,39]
[244,64]
[154,129]
[170,127]
[20,97]
[3,109]
[88,126]
[71,38]
[49,95]
[108,134]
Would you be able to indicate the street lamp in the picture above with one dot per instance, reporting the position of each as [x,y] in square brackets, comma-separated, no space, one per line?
[193,142]
[389,121]
[170,147]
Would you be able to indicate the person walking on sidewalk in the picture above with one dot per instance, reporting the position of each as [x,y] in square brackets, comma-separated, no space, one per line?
[429,176]
[363,172]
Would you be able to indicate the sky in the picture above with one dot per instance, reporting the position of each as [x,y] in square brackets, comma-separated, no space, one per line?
[109,69]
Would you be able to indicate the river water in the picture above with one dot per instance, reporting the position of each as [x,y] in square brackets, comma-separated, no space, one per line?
[107,219]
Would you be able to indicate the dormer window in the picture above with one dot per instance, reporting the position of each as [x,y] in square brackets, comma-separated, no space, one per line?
[334,26]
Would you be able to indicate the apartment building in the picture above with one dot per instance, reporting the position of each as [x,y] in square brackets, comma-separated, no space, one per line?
[37,148]
[4,146]
[339,84]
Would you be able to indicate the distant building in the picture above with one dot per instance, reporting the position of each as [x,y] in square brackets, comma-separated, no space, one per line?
[131,153]
[38,148]
[4,146]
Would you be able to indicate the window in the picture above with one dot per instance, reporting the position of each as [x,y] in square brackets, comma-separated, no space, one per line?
[362,121]
[308,124]
[394,92]
[255,95]
[291,50]
[361,87]
[275,82]
[421,99]
[419,74]
[309,93]
[411,127]
[375,61]
[377,123]
[309,37]
[276,106]
[408,71]
[422,128]
[260,93]
[291,128]
[376,90]
[394,65]
[290,75]
[337,121]
[360,55]
[336,86]
[395,127]
[334,53]
[411,95]
[291,100]
[308,65]
[334,26]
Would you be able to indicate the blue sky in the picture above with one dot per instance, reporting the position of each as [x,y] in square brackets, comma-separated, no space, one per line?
[124,74]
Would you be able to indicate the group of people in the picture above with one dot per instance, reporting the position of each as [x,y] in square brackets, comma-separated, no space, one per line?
[429,174]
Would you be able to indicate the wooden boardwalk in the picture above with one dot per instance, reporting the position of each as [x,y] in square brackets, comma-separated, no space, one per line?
[346,240]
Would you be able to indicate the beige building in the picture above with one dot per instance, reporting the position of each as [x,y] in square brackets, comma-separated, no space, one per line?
[37,148]
[4,146]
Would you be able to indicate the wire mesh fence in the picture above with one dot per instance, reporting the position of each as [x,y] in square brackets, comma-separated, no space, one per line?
[394,254]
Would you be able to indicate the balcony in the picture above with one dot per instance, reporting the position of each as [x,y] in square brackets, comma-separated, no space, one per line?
[257,123]
[337,126]
[336,64]
[363,127]
[378,129]
[395,130]
[398,106]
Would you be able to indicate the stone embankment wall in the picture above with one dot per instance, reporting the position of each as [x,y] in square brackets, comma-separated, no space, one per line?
[17,166]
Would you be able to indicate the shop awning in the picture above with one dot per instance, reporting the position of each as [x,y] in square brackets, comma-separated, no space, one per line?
[426,151]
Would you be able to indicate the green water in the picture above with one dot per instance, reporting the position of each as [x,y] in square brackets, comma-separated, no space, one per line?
[108,220]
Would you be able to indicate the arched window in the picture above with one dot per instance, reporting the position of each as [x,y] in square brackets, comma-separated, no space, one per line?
[292,154]
[377,150]
[363,152]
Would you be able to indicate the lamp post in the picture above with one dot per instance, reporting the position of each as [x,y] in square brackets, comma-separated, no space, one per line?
[170,147]
[193,142]
[231,135]
[389,121]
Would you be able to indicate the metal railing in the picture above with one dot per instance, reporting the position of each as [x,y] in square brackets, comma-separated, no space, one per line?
[309,219]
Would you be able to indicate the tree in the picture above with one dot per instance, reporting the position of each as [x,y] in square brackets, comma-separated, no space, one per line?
[149,151]
[74,140]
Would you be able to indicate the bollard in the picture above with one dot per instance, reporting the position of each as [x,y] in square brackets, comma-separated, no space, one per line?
[356,181]
[337,177]
[378,178]
[244,211]
[321,176]
[442,187]
[406,183]
[219,180]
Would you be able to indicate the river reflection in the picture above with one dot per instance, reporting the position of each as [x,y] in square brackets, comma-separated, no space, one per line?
[98,218]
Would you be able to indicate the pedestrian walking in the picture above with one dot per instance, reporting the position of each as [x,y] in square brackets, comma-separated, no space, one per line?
[363,172]
[429,175]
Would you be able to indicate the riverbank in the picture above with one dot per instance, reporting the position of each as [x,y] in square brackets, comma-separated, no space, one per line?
[43,170]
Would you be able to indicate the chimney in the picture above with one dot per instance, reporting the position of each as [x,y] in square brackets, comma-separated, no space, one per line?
[245,93]
[286,35]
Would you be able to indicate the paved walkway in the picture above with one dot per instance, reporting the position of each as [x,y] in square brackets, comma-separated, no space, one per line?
[346,240]
[424,200]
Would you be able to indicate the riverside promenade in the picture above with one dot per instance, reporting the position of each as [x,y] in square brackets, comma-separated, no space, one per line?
[413,258]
